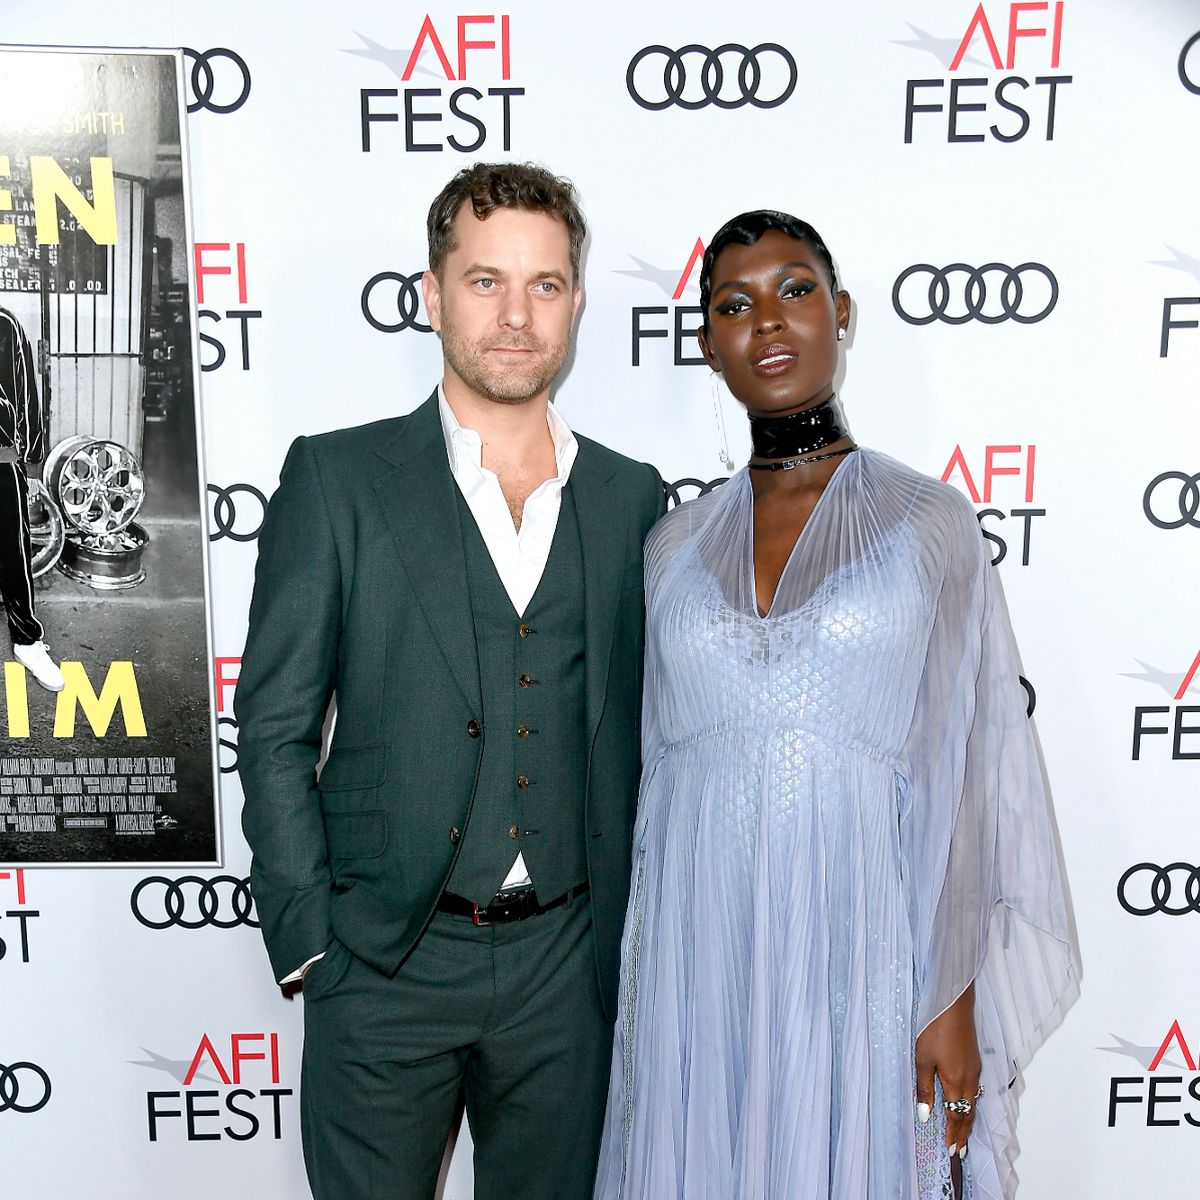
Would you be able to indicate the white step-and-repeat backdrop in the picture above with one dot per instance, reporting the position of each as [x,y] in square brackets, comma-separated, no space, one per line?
[1011,192]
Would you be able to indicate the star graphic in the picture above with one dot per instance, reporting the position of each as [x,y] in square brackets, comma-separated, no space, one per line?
[177,1068]
[394,60]
[1169,681]
[664,278]
[943,49]
[1181,262]
[1142,1055]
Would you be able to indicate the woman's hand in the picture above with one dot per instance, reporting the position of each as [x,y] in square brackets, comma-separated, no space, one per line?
[948,1048]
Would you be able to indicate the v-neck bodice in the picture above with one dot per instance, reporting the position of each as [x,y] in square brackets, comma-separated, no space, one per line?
[853,602]
[796,545]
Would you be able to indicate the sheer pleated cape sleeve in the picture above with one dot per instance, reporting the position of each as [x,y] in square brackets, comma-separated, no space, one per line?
[984,881]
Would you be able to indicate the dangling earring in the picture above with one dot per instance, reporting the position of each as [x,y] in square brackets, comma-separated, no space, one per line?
[725,457]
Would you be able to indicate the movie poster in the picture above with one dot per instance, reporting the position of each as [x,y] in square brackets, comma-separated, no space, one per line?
[102,544]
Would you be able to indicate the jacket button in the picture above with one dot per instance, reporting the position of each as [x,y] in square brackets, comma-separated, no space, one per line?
[524,630]
[512,832]
[525,680]
[523,781]
[455,835]
[474,729]
[523,731]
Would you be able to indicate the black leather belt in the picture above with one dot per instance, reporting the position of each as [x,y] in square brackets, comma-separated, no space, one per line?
[506,906]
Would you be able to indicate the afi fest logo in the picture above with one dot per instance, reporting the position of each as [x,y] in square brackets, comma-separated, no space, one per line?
[1178,724]
[727,76]
[15,915]
[392,302]
[218,80]
[976,474]
[681,321]
[247,1101]
[990,294]
[225,677]
[1022,43]
[224,260]
[465,52]
[1167,1092]
[1171,320]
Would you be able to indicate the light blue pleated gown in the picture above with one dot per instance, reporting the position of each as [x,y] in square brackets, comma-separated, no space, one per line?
[841,825]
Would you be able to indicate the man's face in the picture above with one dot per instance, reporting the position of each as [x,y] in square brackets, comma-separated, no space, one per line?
[504,303]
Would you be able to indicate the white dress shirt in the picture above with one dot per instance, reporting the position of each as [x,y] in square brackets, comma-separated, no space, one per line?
[519,555]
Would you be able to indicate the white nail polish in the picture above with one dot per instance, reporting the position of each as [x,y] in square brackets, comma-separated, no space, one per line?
[953,1151]
[962,1150]
[922,1113]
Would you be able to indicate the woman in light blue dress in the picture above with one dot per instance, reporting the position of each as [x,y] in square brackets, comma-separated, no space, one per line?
[847,927]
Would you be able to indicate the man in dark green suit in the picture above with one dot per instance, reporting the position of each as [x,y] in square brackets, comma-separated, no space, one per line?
[466,584]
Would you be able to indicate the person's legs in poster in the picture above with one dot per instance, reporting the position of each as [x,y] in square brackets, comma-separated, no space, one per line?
[16,579]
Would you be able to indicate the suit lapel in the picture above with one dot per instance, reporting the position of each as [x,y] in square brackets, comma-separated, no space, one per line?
[602,536]
[417,494]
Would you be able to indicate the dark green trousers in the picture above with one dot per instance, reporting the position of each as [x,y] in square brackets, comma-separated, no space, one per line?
[507,1017]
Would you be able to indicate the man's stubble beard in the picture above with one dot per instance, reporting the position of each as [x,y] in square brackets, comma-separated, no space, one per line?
[468,361]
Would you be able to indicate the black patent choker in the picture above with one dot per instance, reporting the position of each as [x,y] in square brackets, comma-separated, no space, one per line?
[799,433]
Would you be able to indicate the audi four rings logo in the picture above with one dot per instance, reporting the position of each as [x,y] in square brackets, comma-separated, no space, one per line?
[675,491]
[191,902]
[1188,501]
[204,80]
[990,294]
[24,1088]
[407,302]
[1189,81]
[1146,889]
[731,76]
[225,513]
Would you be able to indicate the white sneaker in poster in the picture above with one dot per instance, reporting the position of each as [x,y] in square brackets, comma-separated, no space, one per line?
[35,658]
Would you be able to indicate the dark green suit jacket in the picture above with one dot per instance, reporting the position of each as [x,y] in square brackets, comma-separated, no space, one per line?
[360,594]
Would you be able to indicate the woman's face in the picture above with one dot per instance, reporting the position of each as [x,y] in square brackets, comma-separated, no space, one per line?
[772,324]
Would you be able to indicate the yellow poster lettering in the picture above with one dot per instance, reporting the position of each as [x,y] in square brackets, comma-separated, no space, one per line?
[16,698]
[120,687]
[8,233]
[51,184]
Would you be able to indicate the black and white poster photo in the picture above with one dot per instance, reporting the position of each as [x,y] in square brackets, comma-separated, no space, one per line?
[108,751]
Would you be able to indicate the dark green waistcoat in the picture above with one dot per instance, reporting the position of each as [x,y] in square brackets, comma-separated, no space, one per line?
[533,777]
